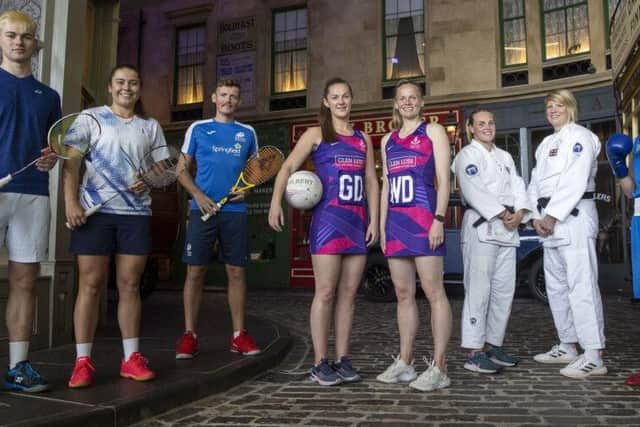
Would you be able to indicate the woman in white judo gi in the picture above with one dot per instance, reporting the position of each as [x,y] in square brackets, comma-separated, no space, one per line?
[562,189]
[497,203]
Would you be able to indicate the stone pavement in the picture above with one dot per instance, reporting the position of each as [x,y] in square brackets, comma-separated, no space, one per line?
[527,395]
[113,401]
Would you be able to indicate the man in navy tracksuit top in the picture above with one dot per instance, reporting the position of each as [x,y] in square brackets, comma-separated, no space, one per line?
[27,109]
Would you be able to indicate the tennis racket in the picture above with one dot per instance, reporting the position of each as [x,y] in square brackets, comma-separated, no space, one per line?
[158,169]
[69,137]
[260,168]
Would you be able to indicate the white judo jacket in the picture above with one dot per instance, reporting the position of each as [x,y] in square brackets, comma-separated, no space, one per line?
[566,166]
[489,182]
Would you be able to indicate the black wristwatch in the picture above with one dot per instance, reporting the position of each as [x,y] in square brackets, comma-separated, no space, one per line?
[439,217]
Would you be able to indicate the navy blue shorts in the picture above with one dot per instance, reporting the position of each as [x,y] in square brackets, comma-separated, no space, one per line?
[228,229]
[108,234]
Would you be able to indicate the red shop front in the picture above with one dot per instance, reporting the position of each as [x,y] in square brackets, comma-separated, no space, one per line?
[376,125]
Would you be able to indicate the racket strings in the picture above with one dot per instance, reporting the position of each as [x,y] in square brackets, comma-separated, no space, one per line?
[71,136]
[263,166]
[162,173]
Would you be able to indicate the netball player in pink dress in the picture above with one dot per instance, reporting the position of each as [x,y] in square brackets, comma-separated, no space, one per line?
[344,224]
[414,198]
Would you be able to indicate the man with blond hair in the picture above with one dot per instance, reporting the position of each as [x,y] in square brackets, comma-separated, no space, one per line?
[27,109]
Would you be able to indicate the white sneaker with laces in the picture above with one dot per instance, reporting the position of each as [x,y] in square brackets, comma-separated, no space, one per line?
[433,378]
[556,355]
[582,368]
[397,372]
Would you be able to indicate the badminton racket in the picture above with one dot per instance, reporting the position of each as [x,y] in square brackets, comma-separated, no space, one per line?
[69,137]
[158,169]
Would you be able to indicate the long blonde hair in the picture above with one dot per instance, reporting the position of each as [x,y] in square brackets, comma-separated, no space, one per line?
[396,121]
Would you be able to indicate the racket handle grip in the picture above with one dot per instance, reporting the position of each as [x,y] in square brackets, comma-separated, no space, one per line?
[206,216]
[4,181]
[92,210]
[87,213]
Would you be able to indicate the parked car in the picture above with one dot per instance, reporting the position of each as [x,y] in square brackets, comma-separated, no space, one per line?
[377,284]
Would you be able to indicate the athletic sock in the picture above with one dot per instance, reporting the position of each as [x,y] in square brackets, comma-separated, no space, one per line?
[130,345]
[18,351]
[84,350]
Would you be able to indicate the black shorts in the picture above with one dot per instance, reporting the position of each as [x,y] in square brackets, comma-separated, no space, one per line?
[228,229]
[108,234]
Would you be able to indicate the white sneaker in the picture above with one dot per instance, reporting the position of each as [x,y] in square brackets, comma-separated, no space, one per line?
[433,378]
[556,355]
[397,372]
[582,368]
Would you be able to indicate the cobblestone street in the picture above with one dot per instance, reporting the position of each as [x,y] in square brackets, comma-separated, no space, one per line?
[529,394]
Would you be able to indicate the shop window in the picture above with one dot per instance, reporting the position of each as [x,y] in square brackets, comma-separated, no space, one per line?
[514,32]
[189,62]
[403,39]
[289,50]
[566,28]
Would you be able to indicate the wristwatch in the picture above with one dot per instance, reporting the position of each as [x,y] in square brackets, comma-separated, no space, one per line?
[439,217]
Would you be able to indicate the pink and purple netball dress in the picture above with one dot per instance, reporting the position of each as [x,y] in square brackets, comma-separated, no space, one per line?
[339,221]
[412,195]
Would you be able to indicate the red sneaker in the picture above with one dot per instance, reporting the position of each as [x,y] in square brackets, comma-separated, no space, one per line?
[633,379]
[244,344]
[136,368]
[187,347]
[82,375]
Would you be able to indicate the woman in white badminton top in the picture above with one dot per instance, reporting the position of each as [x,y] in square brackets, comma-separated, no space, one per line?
[122,227]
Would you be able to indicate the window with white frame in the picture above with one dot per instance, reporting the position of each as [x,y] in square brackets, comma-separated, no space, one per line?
[190,60]
[290,50]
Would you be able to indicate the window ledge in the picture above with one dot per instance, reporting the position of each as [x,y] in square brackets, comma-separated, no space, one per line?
[393,82]
[187,107]
[566,59]
[280,95]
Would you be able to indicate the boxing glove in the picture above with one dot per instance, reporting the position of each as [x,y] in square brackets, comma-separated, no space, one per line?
[619,146]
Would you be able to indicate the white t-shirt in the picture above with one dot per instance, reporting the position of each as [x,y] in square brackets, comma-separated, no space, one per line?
[112,165]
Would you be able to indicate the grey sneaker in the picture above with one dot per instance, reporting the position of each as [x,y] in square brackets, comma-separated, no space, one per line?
[499,357]
[433,378]
[345,370]
[556,355]
[398,372]
[479,362]
[324,374]
[582,368]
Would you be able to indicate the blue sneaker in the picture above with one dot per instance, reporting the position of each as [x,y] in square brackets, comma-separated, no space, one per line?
[324,374]
[499,357]
[25,378]
[479,362]
[345,371]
